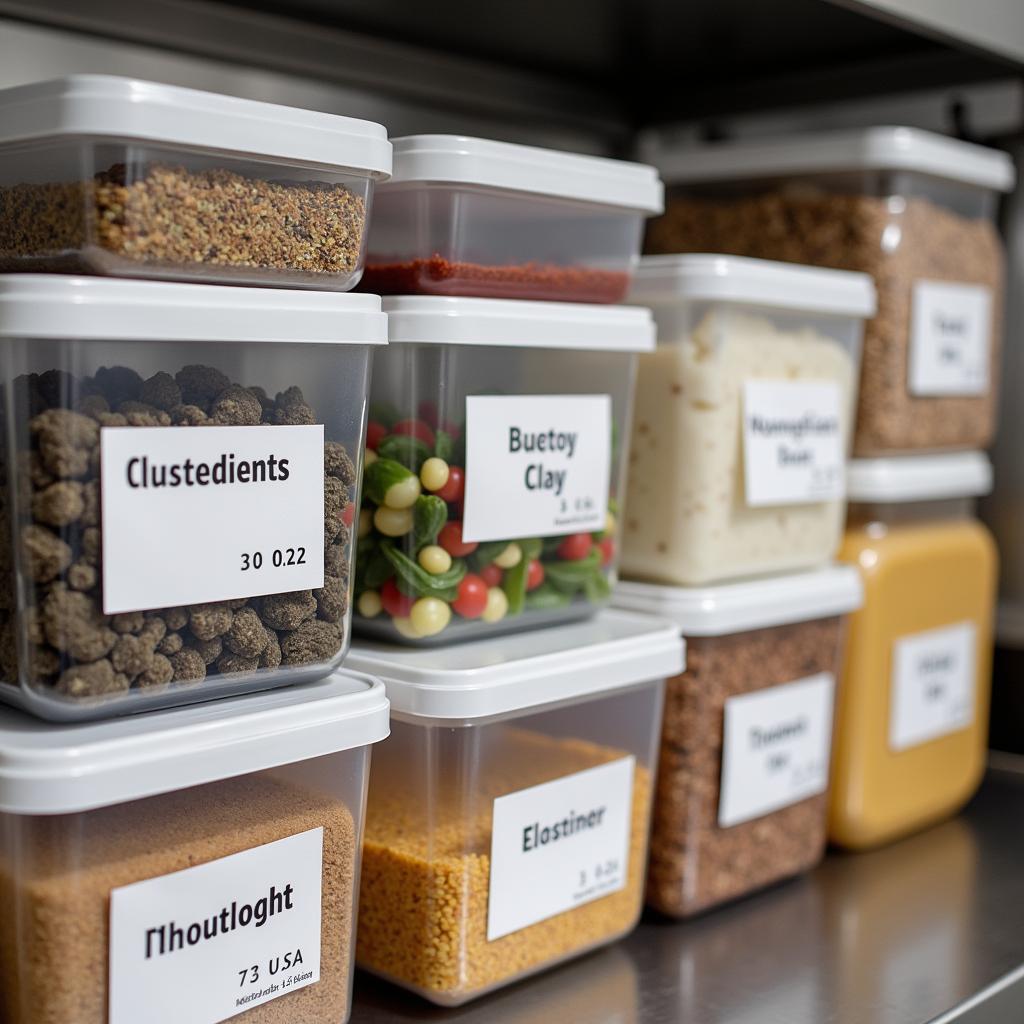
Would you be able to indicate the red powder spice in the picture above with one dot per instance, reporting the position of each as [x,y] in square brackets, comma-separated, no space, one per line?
[544,281]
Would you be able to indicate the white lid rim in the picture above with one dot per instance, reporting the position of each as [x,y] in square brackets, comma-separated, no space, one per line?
[911,478]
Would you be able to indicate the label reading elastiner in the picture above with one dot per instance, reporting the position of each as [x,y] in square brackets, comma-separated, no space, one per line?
[932,684]
[536,465]
[192,514]
[559,845]
[950,332]
[775,748]
[792,442]
[207,943]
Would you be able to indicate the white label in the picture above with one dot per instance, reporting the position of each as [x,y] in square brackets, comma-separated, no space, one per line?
[775,748]
[559,845]
[792,442]
[950,332]
[536,465]
[207,943]
[932,684]
[197,514]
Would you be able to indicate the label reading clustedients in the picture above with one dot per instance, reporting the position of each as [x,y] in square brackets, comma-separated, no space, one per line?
[197,515]
[206,943]
[932,684]
[793,448]
[536,465]
[950,332]
[775,748]
[559,845]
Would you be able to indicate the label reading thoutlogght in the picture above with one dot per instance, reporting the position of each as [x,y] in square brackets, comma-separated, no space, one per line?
[536,465]
[206,943]
[775,748]
[192,515]
[793,444]
[559,845]
[950,335]
[932,684]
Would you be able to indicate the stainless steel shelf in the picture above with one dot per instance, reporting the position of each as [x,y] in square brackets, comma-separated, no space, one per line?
[930,929]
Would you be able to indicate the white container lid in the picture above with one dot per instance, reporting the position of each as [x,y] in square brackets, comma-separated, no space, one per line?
[862,149]
[106,107]
[59,306]
[521,672]
[749,604]
[460,160]
[919,477]
[666,280]
[61,769]
[513,323]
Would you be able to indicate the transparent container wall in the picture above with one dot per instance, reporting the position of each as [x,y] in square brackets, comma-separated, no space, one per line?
[61,657]
[427,855]
[689,518]
[931,354]
[57,873]
[421,391]
[434,239]
[129,210]
[696,862]
[913,717]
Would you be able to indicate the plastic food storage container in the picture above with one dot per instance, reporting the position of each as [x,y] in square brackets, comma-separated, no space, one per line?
[913,209]
[508,814]
[741,799]
[143,562]
[468,216]
[497,435]
[913,718]
[115,176]
[195,864]
[742,417]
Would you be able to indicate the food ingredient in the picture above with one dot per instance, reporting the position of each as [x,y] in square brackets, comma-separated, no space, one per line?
[56,874]
[74,649]
[695,863]
[688,521]
[426,871]
[898,240]
[168,216]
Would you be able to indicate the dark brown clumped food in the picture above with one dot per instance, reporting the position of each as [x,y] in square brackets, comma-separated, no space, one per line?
[55,885]
[694,863]
[170,216]
[898,243]
[75,649]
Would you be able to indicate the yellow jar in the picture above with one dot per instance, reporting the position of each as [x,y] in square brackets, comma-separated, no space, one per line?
[913,714]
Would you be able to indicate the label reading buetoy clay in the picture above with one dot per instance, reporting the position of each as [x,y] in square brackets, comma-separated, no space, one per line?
[950,331]
[196,515]
[792,442]
[536,465]
[209,942]
[559,845]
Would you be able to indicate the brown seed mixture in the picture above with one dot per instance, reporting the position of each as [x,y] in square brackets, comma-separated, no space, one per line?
[168,216]
[76,650]
[56,874]
[694,863]
[898,244]
[426,872]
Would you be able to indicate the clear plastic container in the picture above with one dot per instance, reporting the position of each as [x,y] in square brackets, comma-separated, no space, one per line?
[194,864]
[742,794]
[913,209]
[116,176]
[508,814]
[498,433]
[742,417]
[145,563]
[913,720]
[468,216]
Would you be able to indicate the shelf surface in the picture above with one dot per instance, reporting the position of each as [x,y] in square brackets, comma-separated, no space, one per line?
[930,929]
